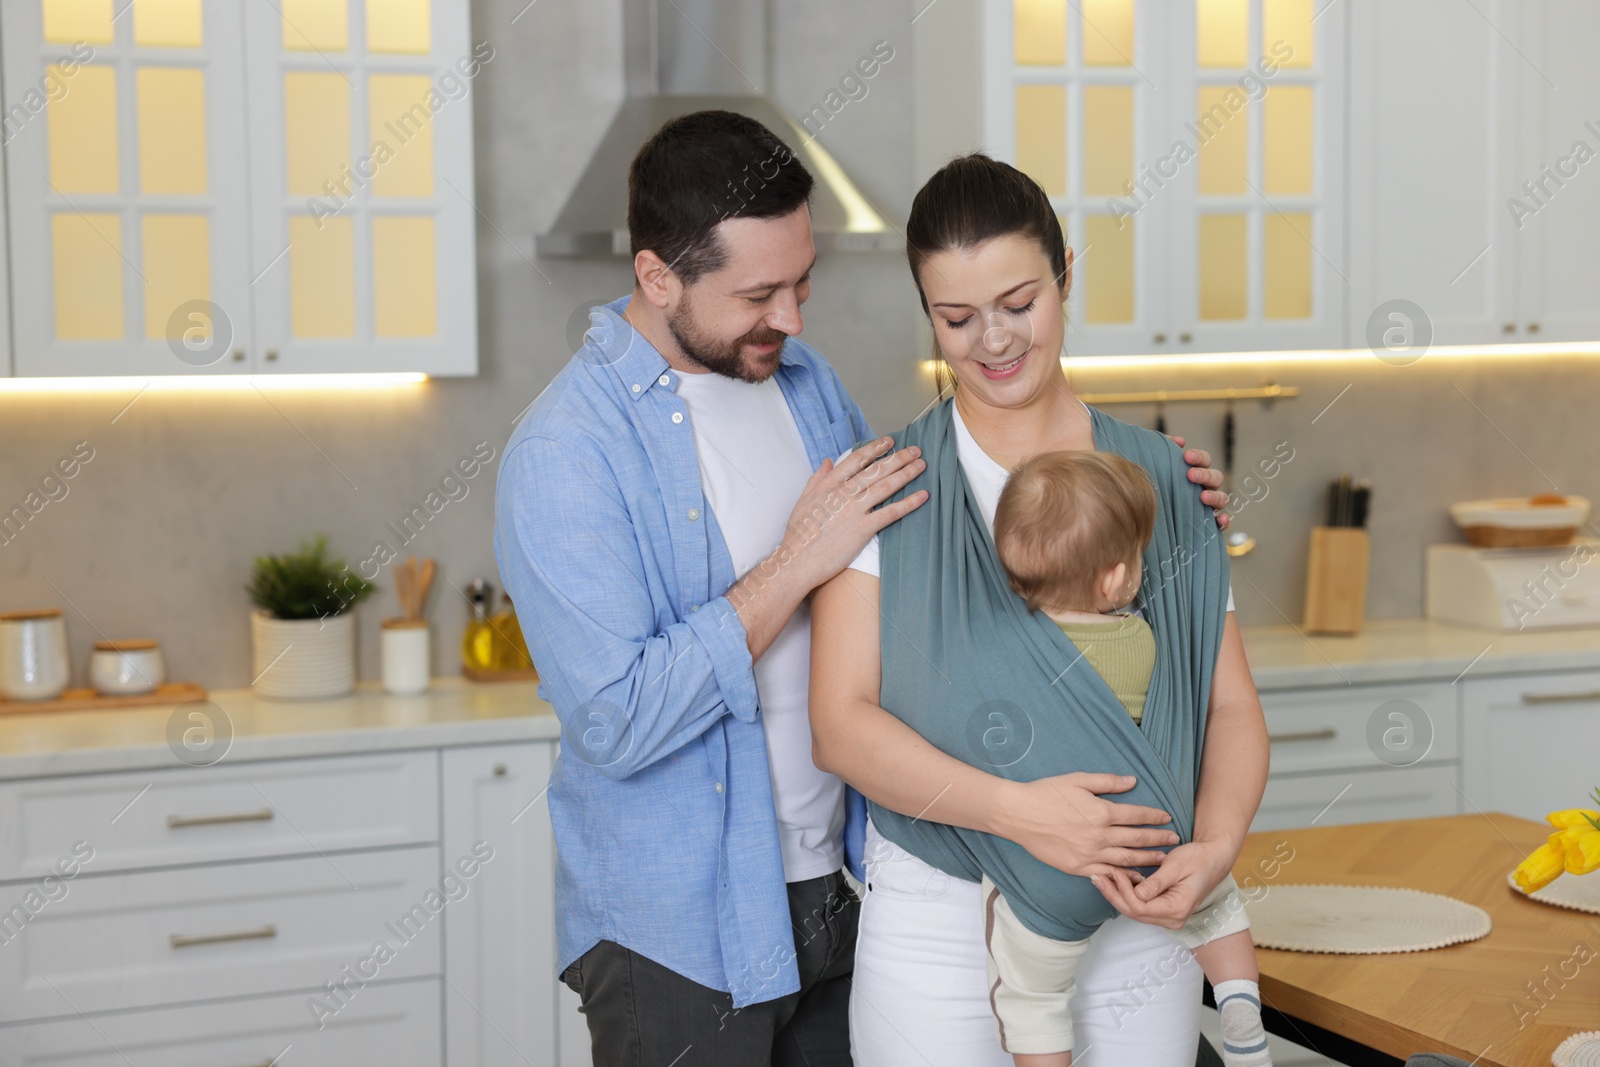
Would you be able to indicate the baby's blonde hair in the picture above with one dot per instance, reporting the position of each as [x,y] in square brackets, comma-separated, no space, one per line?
[1066,518]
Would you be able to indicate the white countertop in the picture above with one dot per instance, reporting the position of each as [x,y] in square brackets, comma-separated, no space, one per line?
[457,712]
[1393,650]
[454,711]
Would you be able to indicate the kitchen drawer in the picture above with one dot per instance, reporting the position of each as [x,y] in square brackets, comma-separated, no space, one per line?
[1346,726]
[1423,791]
[165,937]
[227,812]
[395,1025]
[1529,742]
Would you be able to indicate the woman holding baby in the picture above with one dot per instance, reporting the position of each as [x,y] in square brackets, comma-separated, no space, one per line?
[966,662]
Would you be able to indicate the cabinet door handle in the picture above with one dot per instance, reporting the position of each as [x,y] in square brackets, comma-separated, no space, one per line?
[265,933]
[1560,698]
[179,822]
[1327,733]
[1161,338]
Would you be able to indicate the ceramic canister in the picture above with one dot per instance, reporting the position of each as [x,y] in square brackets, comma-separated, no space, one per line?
[33,655]
[126,668]
[405,655]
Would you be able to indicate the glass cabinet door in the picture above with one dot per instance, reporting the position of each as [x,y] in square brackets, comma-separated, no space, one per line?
[363,219]
[1194,151]
[1258,241]
[1075,108]
[127,187]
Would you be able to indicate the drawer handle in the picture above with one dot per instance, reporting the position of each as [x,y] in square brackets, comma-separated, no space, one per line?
[1327,733]
[178,822]
[265,933]
[1560,698]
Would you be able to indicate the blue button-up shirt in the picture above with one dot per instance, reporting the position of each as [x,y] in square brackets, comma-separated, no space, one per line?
[661,799]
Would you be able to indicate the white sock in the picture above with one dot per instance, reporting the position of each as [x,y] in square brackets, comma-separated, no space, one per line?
[1244,1040]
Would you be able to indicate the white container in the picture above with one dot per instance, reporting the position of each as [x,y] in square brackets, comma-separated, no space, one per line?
[405,656]
[1514,588]
[126,668]
[303,658]
[33,655]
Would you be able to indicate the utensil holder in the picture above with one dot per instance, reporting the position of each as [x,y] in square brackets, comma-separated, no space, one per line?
[1336,580]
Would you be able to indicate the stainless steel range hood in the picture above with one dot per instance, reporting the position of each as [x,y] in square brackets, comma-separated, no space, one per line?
[693,55]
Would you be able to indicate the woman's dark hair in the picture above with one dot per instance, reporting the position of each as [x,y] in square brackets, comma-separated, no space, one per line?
[699,169]
[972,199]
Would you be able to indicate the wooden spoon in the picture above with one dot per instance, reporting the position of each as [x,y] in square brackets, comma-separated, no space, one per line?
[424,585]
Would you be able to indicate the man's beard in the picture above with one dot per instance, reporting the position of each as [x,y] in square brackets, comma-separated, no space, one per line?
[724,358]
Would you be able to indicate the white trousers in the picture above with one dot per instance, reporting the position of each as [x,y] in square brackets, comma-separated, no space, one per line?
[920,996]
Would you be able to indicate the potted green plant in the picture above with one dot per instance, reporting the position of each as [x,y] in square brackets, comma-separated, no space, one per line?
[302,633]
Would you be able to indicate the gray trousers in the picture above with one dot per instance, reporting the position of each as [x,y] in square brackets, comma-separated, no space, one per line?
[642,1014]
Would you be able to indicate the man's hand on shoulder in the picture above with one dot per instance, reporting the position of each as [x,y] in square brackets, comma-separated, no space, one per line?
[1201,472]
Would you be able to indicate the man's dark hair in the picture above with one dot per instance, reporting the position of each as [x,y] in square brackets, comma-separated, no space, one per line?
[699,169]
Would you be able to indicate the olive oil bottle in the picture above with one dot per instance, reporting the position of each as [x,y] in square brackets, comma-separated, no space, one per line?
[478,642]
[511,649]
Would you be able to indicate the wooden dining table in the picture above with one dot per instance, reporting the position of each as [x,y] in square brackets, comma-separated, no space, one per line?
[1505,1000]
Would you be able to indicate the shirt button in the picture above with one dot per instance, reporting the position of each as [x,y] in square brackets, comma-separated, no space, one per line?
[636,387]
[718,787]
[677,416]
[663,380]
[694,514]
[694,607]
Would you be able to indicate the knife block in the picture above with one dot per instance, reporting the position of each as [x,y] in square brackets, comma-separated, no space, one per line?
[1336,580]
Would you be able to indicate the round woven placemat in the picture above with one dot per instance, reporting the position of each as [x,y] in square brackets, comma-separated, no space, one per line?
[1359,919]
[1578,892]
[1579,1050]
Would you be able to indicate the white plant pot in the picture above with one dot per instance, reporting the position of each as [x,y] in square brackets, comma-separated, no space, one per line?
[301,658]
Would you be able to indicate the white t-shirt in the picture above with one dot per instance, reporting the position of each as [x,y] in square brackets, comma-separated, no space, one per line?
[986,477]
[753,467]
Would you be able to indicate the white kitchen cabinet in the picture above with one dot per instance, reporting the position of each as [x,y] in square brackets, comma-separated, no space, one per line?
[194,815]
[396,1025]
[126,177]
[1257,239]
[1474,192]
[1432,150]
[1556,194]
[362,224]
[1196,156]
[1360,753]
[1530,744]
[500,953]
[230,187]
[154,937]
[1368,795]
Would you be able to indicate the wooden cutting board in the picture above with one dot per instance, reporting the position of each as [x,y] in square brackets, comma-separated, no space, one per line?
[89,700]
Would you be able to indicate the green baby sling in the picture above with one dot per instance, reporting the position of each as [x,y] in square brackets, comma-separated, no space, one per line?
[971,669]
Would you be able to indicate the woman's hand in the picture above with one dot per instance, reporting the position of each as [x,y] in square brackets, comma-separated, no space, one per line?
[1201,472]
[1168,897]
[1064,822]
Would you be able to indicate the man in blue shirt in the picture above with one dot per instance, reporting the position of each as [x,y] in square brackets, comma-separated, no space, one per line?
[662,513]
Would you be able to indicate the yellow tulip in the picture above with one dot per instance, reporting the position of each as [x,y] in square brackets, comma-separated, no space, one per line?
[1580,848]
[1542,867]
[1573,817]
